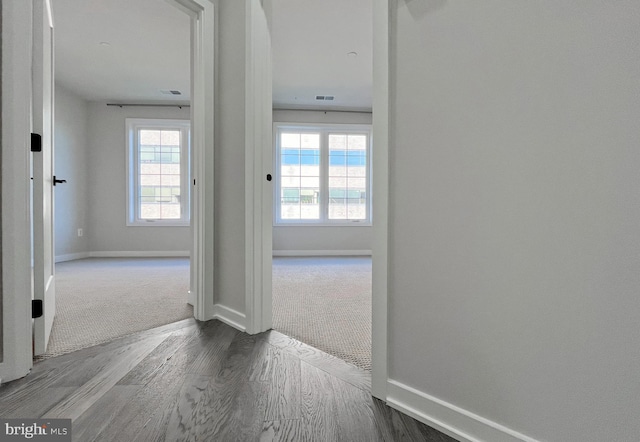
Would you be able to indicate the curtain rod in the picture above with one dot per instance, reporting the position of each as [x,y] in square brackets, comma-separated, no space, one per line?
[323,110]
[121,105]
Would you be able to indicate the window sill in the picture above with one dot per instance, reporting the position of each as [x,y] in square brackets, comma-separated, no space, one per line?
[337,224]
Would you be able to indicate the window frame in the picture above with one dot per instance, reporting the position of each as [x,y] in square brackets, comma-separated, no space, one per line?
[324,129]
[133,126]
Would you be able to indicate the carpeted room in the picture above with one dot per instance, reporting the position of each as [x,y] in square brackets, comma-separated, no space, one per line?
[322,301]
[90,153]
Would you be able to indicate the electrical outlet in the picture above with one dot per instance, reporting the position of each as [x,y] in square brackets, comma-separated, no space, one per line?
[80,232]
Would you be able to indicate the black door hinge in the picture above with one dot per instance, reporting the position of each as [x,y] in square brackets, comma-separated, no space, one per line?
[36,308]
[36,143]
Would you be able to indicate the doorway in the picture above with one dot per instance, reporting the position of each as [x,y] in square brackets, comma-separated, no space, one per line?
[158,171]
[91,137]
[322,233]
[259,154]
[17,353]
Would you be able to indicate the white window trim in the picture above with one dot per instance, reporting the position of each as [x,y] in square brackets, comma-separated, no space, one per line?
[133,125]
[324,129]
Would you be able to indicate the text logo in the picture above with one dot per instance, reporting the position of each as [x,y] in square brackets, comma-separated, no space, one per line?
[40,430]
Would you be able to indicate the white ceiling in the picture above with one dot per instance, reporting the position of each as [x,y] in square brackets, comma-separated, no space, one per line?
[311,40]
[148,51]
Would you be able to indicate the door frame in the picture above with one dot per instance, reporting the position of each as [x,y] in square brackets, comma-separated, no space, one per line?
[203,77]
[259,200]
[381,140]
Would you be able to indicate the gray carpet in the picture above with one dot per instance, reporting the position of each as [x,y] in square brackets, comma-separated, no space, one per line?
[323,302]
[326,303]
[101,299]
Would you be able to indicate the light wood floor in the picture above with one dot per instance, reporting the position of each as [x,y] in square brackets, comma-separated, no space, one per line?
[193,381]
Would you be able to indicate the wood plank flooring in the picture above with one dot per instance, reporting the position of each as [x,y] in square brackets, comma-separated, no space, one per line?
[192,381]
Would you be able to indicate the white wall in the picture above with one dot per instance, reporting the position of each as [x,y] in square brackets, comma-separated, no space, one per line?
[106,227]
[324,117]
[1,292]
[71,199]
[325,238]
[514,275]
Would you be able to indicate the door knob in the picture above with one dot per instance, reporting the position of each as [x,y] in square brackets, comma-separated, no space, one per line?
[57,181]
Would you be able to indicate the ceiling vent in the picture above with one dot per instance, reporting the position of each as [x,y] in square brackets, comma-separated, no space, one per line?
[324,97]
[171,92]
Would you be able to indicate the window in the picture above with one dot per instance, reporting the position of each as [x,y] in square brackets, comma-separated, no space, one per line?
[324,174]
[158,172]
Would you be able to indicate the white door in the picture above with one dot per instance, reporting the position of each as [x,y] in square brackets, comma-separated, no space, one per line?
[43,180]
[15,351]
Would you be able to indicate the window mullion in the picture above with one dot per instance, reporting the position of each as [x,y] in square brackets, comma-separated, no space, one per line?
[136,188]
[278,175]
[368,182]
[184,169]
[324,176]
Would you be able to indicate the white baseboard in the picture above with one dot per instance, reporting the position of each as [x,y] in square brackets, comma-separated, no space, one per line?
[140,254]
[322,253]
[230,317]
[71,256]
[457,422]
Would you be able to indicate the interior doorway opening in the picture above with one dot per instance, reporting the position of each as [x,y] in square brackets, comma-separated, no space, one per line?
[17,30]
[321,267]
[123,274]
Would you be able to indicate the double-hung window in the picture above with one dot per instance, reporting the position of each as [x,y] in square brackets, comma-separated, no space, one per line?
[323,174]
[158,172]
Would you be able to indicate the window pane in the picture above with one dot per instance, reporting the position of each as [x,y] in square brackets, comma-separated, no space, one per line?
[337,141]
[290,211]
[150,168]
[300,176]
[310,141]
[149,137]
[347,177]
[159,172]
[169,180]
[170,211]
[170,138]
[359,184]
[149,211]
[357,142]
[290,203]
[310,182]
[310,158]
[170,169]
[309,207]
[149,180]
[291,158]
[288,181]
[337,182]
[288,140]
